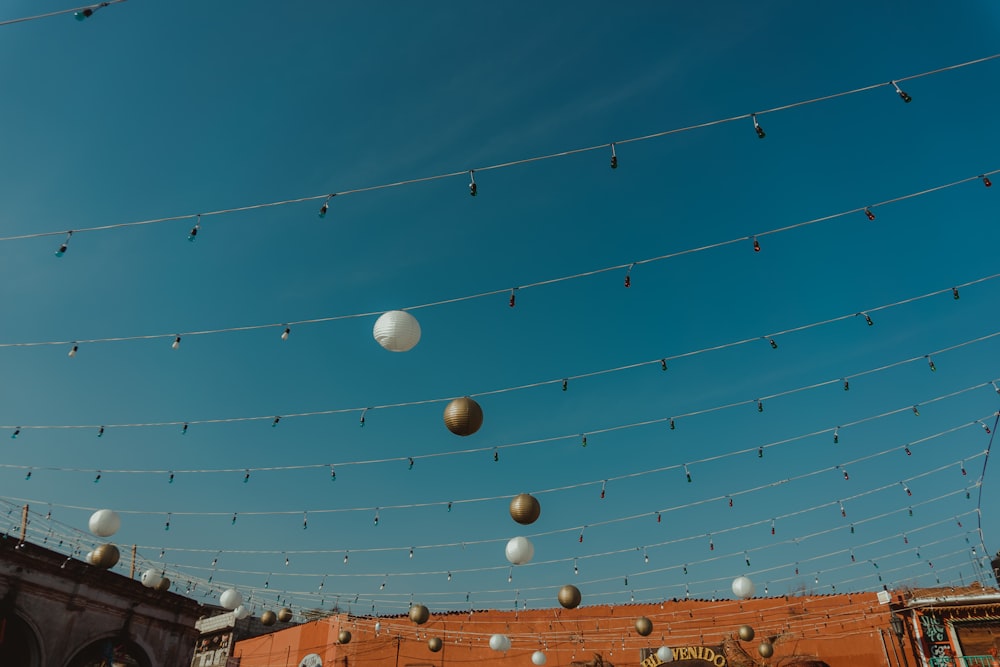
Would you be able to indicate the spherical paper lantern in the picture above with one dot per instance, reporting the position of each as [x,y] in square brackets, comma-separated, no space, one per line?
[344,637]
[268,618]
[419,614]
[397,331]
[463,416]
[163,585]
[745,633]
[284,614]
[665,653]
[766,649]
[230,599]
[743,588]
[520,550]
[500,643]
[643,626]
[538,658]
[569,596]
[150,578]
[105,556]
[241,612]
[434,644]
[524,509]
[104,523]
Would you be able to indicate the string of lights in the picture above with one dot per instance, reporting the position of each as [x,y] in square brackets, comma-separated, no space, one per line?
[80,13]
[185,425]
[470,172]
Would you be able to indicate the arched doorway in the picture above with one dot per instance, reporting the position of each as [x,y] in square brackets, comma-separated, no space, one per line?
[18,643]
[111,652]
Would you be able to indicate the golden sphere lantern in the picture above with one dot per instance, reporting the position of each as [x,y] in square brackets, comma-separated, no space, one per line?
[463,416]
[766,649]
[524,509]
[344,637]
[643,626]
[268,618]
[105,556]
[419,614]
[434,644]
[284,614]
[163,585]
[745,633]
[569,596]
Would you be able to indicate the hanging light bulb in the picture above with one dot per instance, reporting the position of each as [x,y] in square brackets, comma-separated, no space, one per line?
[930,362]
[846,476]
[962,468]
[100,432]
[628,275]
[906,449]
[730,498]
[411,553]
[836,435]
[583,443]
[663,364]
[916,410]
[843,510]
[346,556]
[166,526]
[774,344]
[473,189]
[868,319]
[326,205]
[756,126]
[84,14]
[847,384]
[65,244]
[604,485]
[193,234]
[176,344]
[760,452]
[711,544]
[902,95]
[906,488]
[17,432]
[672,425]
[687,473]
[868,212]
[73,350]
[184,429]
[645,557]
[333,474]
[286,333]
[411,463]
[760,405]
[986,180]
[756,244]
[305,521]
[513,297]
[376,516]
[449,576]
[614,158]
[772,526]
[276,421]
[576,570]
[246,475]
[565,385]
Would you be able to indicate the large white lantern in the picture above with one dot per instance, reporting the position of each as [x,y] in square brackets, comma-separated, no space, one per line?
[150,578]
[231,599]
[665,653]
[105,523]
[743,588]
[241,612]
[538,658]
[500,643]
[397,331]
[520,550]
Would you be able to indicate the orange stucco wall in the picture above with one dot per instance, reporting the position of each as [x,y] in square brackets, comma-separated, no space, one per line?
[849,629]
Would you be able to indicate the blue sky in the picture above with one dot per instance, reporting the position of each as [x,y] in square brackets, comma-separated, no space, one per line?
[145,112]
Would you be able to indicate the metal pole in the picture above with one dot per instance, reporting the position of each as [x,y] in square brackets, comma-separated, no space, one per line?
[131,571]
[24,522]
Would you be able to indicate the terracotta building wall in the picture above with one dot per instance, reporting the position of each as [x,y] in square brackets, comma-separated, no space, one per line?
[837,629]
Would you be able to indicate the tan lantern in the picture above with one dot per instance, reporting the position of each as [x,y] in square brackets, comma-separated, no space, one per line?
[105,556]
[463,416]
[643,626]
[745,633]
[525,509]
[766,649]
[344,637]
[419,614]
[284,614]
[434,644]
[268,618]
[163,585]
[569,596]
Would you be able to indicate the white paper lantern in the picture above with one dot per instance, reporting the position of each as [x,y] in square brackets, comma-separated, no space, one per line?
[378,627]
[500,643]
[538,658]
[743,588]
[520,550]
[397,331]
[150,578]
[89,557]
[665,653]
[231,598]
[105,523]
[241,612]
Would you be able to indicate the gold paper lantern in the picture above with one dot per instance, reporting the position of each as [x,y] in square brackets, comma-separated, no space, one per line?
[569,596]
[643,626]
[344,637]
[105,556]
[268,618]
[434,644]
[463,416]
[524,508]
[766,649]
[284,614]
[419,614]
[163,585]
[745,633]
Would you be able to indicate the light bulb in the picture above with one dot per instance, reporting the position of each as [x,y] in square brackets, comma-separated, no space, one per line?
[513,298]
[614,158]
[73,350]
[902,94]
[756,244]
[276,421]
[868,319]
[868,212]
[285,333]
[473,188]
[986,180]
[176,344]
[83,14]
[954,293]
[65,244]
[774,344]
[17,432]
[757,127]
[326,205]
[930,363]
[836,435]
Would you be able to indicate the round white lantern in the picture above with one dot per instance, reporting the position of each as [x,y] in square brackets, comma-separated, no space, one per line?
[397,331]
[150,578]
[520,550]
[105,523]
[241,612]
[538,658]
[500,643]
[665,653]
[743,588]
[231,598]
[378,627]
[89,557]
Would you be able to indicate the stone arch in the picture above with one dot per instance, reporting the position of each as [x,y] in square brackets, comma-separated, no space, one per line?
[19,643]
[122,651]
